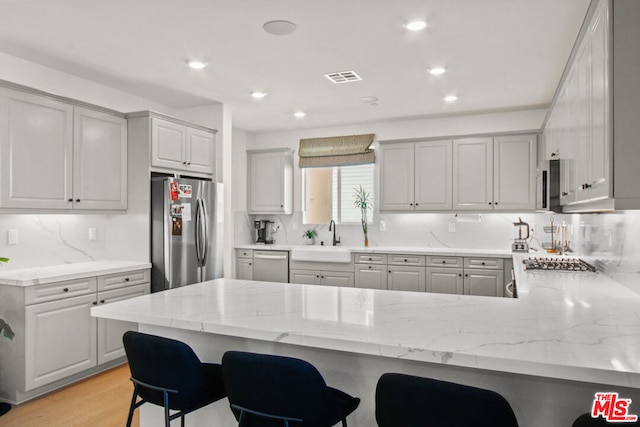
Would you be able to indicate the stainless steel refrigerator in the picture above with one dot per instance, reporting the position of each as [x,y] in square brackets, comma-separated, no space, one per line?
[186,232]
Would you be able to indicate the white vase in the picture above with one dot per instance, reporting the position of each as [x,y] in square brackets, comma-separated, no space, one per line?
[311,241]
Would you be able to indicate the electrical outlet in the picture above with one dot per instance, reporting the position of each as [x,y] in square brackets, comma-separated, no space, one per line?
[383,226]
[92,233]
[12,237]
[452,227]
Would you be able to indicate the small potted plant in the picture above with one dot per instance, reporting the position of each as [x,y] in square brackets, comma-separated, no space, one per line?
[310,236]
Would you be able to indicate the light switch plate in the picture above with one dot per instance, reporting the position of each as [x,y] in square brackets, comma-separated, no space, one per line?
[452,227]
[12,237]
[92,233]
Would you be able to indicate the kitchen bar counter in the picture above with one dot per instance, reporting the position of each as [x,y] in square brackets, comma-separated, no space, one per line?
[408,250]
[575,327]
[58,273]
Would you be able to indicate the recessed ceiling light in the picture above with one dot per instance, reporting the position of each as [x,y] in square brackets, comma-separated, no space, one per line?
[279,27]
[196,65]
[415,25]
[451,98]
[437,71]
[299,114]
[258,94]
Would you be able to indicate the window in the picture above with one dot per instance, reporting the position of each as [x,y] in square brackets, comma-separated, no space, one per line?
[329,193]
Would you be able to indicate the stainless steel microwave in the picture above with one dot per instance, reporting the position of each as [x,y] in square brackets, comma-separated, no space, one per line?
[548,186]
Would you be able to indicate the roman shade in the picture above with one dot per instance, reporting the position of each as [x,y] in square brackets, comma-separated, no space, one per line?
[336,151]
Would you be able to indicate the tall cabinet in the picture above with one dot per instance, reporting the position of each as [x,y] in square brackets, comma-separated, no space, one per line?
[592,125]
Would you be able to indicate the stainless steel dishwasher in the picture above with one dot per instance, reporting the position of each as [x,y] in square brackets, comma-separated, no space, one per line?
[271,266]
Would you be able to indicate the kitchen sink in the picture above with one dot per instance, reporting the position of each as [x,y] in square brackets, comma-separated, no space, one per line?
[321,254]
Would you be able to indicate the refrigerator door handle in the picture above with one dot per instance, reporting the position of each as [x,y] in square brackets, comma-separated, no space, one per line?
[205,237]
[201,233]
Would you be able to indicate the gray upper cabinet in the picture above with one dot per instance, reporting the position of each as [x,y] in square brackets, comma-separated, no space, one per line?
[176,146]
[270,181]
[100,160]
[416,176]
[59,156]
[473,174]
[514,171]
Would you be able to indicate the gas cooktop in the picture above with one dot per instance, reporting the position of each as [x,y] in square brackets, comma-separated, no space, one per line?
[557,264]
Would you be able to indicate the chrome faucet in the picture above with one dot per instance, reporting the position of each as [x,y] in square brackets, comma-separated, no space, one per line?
[335,242]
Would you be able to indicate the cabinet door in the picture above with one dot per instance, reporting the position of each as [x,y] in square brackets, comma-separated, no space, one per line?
[407,279]
[473,174]
[582,117]
[36,150]
[433,175]
[244,267]
[514,173]
[445,280]
[99,160]
[600,153]
[168,142]
[266,182]
[304,277]
[60,340]
[371,276]
[336,278]
[200,149]
[110,331]
[396,177]
[488,283]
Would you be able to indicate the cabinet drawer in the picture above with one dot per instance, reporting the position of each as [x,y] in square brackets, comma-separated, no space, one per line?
[122,280]
[60,290]
[444,261]
[491,263]
[417,260]
[245,253]
[370,259]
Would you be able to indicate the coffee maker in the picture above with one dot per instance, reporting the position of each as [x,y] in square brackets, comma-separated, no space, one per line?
[263,232]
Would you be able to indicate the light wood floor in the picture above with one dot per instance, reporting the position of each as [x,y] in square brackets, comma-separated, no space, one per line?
[100,401]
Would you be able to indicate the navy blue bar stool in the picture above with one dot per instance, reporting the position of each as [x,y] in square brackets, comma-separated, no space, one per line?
[410,401]
[266,390]
[168,373]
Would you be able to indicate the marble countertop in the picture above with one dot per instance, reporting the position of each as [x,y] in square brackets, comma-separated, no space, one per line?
[576,326]
[409,250]
[57,273]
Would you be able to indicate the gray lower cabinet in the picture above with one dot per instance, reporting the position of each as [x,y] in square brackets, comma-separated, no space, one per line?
[57,340]
[318,277]
[244,264]
[443,280]
[489,283]
[371,276]
[403,278]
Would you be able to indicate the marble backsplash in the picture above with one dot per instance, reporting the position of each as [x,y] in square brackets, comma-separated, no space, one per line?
[612,237]
[45,240]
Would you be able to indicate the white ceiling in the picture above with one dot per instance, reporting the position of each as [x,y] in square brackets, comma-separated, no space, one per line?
[501,54]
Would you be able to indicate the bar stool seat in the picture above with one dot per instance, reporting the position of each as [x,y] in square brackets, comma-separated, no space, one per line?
[267,390]
[410,401]
[167,373]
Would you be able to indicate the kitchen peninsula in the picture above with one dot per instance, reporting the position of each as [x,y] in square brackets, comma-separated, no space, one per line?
[547,352]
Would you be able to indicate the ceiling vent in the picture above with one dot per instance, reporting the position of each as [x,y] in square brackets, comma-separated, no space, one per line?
[343,77]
